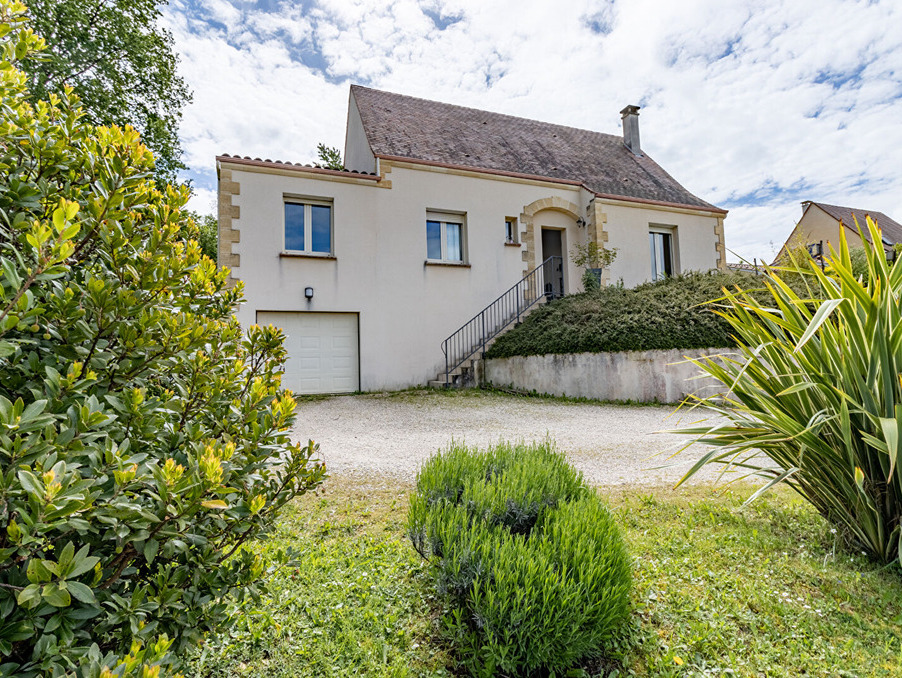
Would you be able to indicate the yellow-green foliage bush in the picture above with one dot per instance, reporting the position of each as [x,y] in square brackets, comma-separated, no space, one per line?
[143,438]
[529,558]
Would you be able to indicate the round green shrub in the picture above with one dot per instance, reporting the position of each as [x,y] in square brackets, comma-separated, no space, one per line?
[529,558]
[144,438]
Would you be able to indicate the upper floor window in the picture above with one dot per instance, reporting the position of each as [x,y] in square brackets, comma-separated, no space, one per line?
[308,226]
[510,230]
[445,237]
[661,242]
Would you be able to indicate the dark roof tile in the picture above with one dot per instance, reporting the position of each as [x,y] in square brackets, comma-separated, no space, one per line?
[408,127]
[892,230]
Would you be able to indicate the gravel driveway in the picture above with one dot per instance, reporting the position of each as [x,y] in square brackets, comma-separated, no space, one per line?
[391,434]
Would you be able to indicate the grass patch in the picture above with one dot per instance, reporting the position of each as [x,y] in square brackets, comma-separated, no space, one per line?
[357,602]
[718,589]
[577,400]
[479,394]
[474,397]
[761,590]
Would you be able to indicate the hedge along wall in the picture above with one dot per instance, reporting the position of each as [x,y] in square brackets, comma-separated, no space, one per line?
[621,344]
[641,376]
[670,314]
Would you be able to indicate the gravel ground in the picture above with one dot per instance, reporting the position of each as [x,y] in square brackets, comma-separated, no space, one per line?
[391,434]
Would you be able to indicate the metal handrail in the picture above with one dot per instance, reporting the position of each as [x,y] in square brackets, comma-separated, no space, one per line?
[545,281]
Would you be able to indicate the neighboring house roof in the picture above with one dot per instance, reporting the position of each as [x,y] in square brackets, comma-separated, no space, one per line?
[403,127]
[892,230]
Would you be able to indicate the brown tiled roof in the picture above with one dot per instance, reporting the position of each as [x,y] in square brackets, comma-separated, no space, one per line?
[892,230]
[399,126]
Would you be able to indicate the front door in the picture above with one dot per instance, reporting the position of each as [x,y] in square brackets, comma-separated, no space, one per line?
[552,246]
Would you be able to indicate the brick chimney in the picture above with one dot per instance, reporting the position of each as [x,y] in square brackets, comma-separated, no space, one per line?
[630,116]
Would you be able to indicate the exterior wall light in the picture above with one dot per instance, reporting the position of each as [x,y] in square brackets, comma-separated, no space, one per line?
[581,222]
[308,293]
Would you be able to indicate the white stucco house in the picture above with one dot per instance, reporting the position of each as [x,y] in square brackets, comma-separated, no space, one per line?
[440,210]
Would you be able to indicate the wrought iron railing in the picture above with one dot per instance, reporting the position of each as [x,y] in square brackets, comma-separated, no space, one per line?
[545,281]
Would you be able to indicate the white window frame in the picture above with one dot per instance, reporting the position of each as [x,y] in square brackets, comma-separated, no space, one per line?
[308,203]
[513,239]
[445,218]
[674,249]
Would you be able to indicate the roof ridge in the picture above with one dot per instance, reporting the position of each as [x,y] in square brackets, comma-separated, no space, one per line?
[484,111]
[844,207]
[852,210]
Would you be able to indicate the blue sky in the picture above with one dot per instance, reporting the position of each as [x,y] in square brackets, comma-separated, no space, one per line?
[754,106]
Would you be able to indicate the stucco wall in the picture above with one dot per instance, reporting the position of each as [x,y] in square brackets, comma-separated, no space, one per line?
[816,225]
[643,376]
[358,155]
[406,307]
[695,246]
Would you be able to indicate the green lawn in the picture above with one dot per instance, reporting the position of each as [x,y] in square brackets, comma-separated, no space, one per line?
[719,589]
[764,590]
[357,603]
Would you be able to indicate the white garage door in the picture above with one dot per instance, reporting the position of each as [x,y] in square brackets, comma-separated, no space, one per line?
[322,350]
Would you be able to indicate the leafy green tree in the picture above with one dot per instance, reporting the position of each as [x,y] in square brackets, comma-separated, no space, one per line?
[208,234]
[119,62]
[329,157]
[144,438]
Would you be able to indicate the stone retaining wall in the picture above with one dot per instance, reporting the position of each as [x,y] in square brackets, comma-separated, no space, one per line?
[642,376]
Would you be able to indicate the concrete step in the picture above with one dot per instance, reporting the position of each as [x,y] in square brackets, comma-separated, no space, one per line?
[457,375]
[439,381]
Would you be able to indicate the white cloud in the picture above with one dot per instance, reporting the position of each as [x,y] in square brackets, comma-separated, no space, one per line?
[203,201]
[751,105]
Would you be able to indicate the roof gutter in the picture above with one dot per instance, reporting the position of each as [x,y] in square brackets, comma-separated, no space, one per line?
[294,167]
[660,203]
[553,180]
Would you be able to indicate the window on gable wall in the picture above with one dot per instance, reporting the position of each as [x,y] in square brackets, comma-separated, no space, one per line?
[445,237]
[308,227]
[661,243]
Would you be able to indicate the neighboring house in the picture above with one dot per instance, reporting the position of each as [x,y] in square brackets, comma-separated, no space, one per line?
[441,209]
[822,223]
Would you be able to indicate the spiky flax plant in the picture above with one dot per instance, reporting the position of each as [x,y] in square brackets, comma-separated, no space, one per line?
[813,394]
